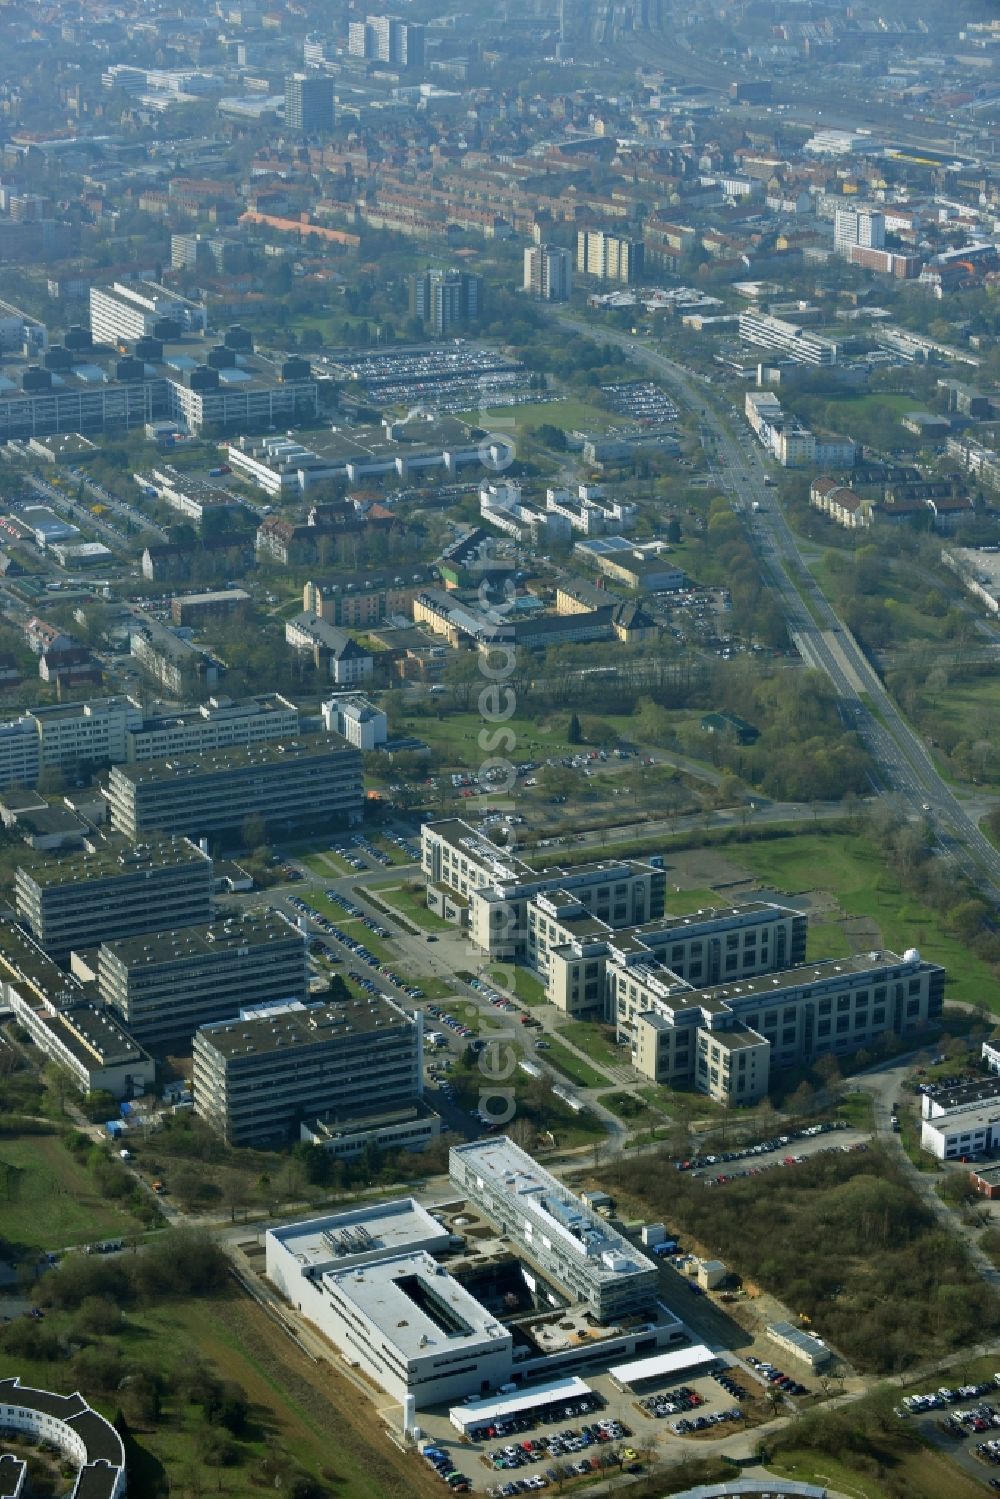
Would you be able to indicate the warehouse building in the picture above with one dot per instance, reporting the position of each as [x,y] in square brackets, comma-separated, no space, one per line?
[80,900]
[167,983]
[256,1078]
[307,782]
[554,1230]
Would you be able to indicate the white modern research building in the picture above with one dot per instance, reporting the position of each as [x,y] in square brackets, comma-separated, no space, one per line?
[367,1281]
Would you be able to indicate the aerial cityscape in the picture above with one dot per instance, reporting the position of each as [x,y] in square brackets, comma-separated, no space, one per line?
[500,749]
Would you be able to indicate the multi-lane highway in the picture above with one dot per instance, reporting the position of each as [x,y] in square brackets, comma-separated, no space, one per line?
[820,636]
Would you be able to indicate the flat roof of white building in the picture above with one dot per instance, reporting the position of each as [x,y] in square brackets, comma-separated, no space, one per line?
[417,1306]
[473,1413]
[556,1213]
[362,1234]
[663,1365]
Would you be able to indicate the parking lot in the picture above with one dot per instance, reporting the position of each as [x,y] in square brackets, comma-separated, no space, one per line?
[965,1421]
[706,1409]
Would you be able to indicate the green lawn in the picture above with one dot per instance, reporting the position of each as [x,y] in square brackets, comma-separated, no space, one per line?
[568,413]
[851,869]
[48,1200]
[684,902]
[827,939]
[327,865]
[627,1107]
[595,1041]
[290,1420]
[528,988]
[573,1067]
[412,907]
[857,1109]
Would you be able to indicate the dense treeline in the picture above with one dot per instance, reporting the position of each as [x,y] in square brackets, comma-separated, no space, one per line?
[842,1239]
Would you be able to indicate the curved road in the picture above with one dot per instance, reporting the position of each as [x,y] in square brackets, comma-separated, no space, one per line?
[820,636]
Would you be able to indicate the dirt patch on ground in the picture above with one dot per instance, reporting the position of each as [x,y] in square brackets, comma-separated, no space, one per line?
[698,868]
[862,933]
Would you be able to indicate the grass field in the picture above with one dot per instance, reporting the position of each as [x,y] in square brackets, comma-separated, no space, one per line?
[572,1067]
[850,868]
[306,1416]
[683,902]
[327,865]
[596,1041]
[920,1472]
[567,413]
[528,989]
[49,1201]
[827,939]
[412,907]
[456,736]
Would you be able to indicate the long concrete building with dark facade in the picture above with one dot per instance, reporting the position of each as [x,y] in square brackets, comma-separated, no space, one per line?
[308,782]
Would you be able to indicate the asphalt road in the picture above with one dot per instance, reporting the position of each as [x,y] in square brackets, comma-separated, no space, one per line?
[821,638]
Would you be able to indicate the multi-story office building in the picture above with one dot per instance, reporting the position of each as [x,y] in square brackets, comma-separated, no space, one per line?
[470,880]
[271,396]
[556,1232]
[548,272]
[219,724]
[725,1038]
[43,408]
[610,257]
[79,900]
[167,983]
[309,104]
[446,299]
[299,783]
[570,948]
[800,344]
[858,226]
[20,752]
[388,39]
[87,1043]
[73,736]
[256,1078]
[128,311]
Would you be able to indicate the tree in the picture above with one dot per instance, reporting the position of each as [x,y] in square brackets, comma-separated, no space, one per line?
[574,734]
[254,831]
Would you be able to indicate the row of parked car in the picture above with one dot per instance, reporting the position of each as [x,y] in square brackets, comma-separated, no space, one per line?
[446,1470]
[558,1473]
[507,1426]
[516,1455]
[763,1147]
[990,1453]
[703,1423]
[679,1400]
[935,1400]
[977,1418]
[457,1026]
[768,1374]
